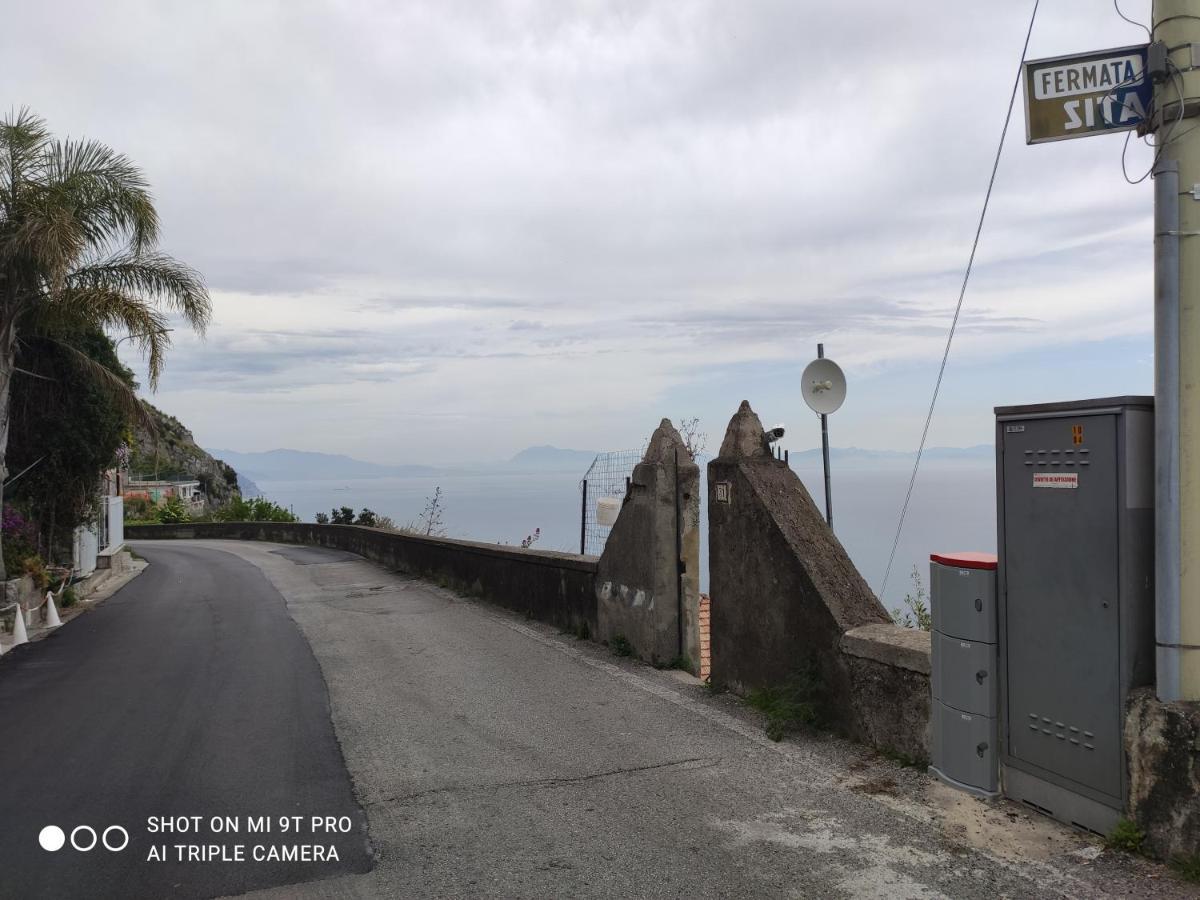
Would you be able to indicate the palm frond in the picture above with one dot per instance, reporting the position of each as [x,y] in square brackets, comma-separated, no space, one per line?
[84,199]
[48,240]
[77,232]
[109,194]
[154,276]
[23,139]
[114,310]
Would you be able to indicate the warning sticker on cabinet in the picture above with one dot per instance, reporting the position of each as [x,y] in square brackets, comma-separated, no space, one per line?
[1056,479]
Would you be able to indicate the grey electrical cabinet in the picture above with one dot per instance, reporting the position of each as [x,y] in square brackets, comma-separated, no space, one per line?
[1075,486]
[962,594]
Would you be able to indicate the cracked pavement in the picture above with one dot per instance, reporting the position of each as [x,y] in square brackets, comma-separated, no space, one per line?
[494,756]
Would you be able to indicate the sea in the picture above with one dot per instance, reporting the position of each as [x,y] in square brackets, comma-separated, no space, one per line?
[953,508]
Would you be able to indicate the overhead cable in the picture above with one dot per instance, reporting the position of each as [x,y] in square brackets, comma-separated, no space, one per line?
[961,296]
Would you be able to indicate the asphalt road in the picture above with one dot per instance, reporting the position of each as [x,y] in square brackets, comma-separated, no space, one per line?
[492,756]
[496,757]
[191,692]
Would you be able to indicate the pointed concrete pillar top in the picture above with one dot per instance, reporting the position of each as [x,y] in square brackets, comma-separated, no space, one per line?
[663,444]
[744,436]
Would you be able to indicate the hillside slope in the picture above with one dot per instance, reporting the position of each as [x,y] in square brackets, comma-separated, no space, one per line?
[173,453]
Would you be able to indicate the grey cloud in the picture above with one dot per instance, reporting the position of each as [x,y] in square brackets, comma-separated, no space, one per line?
[585,181]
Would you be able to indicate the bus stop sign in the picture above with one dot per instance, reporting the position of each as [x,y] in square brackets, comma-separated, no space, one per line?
[1085,94]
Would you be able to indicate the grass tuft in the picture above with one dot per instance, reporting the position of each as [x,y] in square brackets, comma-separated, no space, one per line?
[619,644]
[1126,836]
[1187,867]
[788,707]
[902,759]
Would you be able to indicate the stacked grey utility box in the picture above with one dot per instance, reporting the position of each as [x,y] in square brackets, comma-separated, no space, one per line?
[1076,590]
[962,594]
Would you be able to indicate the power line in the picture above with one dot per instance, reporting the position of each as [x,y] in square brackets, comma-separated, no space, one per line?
[961,296]
[1117,7]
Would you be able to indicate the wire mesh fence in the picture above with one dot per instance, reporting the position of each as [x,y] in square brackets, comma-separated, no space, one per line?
[607,476]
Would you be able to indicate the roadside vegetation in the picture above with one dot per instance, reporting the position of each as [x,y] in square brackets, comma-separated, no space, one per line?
[693,438]
[1126,836]
[429,523]
[239,509]
[787,707]
[915,611]
[1187,867]
[78,262]
[620,646]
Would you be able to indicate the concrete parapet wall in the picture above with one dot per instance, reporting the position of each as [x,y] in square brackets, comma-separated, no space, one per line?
[557,588]
[890,690]
[1162,741]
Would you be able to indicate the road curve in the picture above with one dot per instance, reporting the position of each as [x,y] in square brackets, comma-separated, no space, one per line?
[493,757]
[190,692]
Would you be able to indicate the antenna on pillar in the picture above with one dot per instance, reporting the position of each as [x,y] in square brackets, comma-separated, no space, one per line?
[824,386]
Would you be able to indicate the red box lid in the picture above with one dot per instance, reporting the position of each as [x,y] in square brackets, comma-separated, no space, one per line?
[966,560]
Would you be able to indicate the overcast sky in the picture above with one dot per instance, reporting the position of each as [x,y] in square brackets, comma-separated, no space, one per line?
[443,231]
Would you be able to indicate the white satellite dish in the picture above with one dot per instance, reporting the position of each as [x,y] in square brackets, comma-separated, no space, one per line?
[824,386]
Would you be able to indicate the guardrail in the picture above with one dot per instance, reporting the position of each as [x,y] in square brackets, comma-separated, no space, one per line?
[557,588]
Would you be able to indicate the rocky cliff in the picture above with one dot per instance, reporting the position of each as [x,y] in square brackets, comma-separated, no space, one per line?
[170,452]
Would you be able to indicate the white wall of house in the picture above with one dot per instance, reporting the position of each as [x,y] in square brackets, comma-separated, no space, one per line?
[114,513]
[84,550]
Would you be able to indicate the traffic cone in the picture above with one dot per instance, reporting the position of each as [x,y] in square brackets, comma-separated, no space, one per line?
[52,619]
[19,634]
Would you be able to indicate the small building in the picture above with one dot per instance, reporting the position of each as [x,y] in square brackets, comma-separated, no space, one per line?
[190,491]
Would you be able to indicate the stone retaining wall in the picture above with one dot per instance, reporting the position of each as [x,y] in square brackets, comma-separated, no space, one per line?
[1162,741]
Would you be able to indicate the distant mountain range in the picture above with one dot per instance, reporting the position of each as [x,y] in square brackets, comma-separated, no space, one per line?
[552,458]
[301,465]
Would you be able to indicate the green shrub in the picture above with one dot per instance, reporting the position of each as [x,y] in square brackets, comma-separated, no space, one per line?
[257,509]
[68,598]
[902,759]
[173,512]
[139,509]
[36,569]
[789,706]
[619,644]
[1187,867]
[18,535]
[916,612]
[1126,836]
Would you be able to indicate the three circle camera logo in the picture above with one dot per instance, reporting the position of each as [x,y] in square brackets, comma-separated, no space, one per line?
[84,838]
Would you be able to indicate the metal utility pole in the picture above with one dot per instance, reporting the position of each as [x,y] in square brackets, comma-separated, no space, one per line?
[825,453]
[1176,24]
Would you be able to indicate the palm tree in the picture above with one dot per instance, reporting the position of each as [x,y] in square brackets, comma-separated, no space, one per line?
[78,232]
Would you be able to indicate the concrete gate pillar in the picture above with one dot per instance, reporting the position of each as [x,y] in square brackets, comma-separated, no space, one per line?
[647,580]
[783,589]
